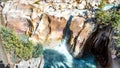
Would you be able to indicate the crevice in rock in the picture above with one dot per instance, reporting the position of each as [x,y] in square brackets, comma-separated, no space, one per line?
[37,25]
[67,31]
[72,48]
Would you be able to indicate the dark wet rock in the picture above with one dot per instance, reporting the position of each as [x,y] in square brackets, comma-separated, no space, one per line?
[98,42]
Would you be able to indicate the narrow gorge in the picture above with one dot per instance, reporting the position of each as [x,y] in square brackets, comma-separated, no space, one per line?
[59,34]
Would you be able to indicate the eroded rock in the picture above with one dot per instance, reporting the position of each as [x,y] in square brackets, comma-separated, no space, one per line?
[80,33]
[48,27]
[20,25]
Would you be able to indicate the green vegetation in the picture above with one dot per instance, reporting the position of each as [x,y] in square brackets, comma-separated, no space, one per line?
[20,46]
[102,4]
[108,17]
[38,50]
[111,17]
[103,17]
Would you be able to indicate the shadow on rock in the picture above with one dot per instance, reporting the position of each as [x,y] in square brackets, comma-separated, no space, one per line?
[87,61]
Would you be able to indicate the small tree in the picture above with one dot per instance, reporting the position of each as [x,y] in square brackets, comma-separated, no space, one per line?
[22,49]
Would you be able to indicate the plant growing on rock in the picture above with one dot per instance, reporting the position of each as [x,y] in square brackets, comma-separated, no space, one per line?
[102,17]
[110,17]
[13,44]
[38,50]
[102,4]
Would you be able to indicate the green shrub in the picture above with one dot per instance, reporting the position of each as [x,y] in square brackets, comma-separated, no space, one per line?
[14,44]
[102,17]
[102,4]
[111,16]
[38,50]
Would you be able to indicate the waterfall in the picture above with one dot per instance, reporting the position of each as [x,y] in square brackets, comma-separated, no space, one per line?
[59,56]
[61,51]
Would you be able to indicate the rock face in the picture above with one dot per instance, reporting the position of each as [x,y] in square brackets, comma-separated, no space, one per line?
[80,32]
[99,41]
[48,27]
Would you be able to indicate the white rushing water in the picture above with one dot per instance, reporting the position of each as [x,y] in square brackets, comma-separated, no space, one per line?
[59,57]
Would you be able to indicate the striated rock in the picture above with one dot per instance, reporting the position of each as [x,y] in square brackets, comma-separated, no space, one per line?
[48,27]
[57,25]
[16,16]
[80,33]
[76,25]
[43,28]
[20,25]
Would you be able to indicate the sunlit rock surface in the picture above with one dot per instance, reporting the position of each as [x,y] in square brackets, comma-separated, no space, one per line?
[80,32]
